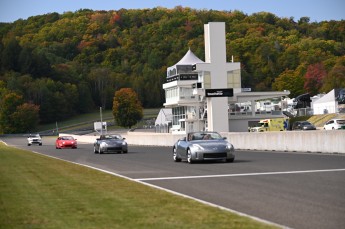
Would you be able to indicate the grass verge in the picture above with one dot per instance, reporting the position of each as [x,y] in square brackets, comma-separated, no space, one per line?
[41,192]
[87,120]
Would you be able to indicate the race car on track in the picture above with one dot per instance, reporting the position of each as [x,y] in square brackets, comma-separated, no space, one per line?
[203,146]
[66,142]
[34,139]
[110,143]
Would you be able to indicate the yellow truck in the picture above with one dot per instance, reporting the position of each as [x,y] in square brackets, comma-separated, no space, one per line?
[276,124]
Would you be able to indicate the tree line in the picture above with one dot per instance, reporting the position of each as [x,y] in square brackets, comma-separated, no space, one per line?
[71,63]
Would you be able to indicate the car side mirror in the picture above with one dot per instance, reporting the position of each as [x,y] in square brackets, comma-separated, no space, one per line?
[123,138]
[224,138]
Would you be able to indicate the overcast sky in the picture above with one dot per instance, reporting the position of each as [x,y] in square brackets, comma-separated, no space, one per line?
[316,10]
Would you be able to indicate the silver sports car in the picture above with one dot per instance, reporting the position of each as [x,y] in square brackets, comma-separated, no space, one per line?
[110,143]
[200,146]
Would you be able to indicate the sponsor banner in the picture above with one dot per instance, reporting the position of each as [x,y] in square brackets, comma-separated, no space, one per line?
[222,92]
[183,77]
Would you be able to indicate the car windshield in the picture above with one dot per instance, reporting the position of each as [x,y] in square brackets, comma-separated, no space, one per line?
[34,135]
[67,138]
[106,137]
[306,123]
[341,121]
[205,136]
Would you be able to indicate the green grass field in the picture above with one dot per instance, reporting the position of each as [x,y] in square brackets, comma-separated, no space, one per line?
[41,192]
[87,120]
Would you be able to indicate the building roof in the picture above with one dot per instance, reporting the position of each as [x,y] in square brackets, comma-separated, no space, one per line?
[329,97]
[189,59]
[252,96]
[164,116]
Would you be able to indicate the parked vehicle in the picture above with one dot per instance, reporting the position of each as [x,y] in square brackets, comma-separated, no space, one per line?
[34,139]
[66,142]
[276,124]
[302,101]
[335,124]
[203,146]
[110,143]
[303,125]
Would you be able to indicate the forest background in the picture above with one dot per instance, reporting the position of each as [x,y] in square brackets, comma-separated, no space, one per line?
[55,66]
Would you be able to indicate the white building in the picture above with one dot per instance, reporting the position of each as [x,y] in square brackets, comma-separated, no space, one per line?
[208,95]
[327,103]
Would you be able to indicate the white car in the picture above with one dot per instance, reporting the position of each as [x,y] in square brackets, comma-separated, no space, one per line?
[34,139]
[334,124]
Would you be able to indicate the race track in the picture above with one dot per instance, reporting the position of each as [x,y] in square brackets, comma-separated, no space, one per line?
[297,190]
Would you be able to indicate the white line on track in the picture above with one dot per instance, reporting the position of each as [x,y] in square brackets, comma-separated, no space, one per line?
[238,175]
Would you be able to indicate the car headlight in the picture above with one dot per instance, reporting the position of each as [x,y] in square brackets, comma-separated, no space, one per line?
[197,147]
[229,147]
[124,143]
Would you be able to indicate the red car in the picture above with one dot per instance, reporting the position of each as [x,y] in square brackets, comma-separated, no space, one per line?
[65,142]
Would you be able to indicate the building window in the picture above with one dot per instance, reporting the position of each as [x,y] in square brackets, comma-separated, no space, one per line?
[178,114]
[186,93]
[207,79]
[171,94]
[234,79]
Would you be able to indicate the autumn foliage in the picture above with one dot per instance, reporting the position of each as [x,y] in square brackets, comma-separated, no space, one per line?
[314,78]
[17,116]
[127,109]
[71,63]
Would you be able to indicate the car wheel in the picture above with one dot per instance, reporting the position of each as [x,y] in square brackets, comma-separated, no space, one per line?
[94,150]
[230,160]
[40,144]
[175,157]
[29,144]
[125,151]
[189,157]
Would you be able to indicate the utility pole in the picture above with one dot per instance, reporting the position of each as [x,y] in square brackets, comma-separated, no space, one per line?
[100,111]
[57,128]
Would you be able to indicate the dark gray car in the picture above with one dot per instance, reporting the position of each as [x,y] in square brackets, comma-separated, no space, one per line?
[303,125]
[110,143]
[203,146]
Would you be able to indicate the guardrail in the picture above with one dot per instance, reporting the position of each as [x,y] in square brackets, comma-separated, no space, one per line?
[320,141]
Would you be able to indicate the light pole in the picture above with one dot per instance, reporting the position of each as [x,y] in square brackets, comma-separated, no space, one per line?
[100,111]
[57,128]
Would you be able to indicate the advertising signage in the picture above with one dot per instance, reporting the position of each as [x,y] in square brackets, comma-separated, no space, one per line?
[183,77]
[224,92]
[188,76]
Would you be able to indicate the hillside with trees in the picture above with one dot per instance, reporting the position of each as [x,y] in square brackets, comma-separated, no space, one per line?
[71,63]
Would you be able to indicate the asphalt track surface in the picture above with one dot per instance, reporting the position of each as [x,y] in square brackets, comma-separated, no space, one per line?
[291,189]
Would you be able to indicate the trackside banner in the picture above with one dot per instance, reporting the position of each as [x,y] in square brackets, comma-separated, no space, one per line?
[225,92]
